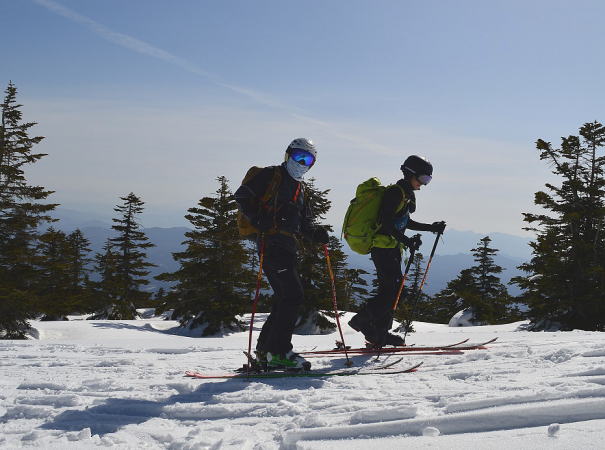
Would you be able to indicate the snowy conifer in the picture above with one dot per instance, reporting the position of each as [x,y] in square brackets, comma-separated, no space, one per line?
[22,211]
[124,278]
[314,273]
[478,288]
[566,276]
[214,281]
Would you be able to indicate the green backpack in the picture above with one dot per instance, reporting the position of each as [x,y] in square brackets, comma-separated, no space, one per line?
[361,220]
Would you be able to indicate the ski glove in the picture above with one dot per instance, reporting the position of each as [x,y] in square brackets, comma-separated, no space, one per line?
[287,216]
[438,227]
[320,235]
[262,223]
[412,243]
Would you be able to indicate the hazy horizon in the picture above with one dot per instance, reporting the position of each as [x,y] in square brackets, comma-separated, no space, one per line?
[454,241]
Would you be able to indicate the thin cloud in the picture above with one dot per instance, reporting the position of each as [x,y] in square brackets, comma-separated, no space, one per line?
[123,40]
[142,47]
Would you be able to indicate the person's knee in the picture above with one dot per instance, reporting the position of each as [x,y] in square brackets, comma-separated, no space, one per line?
[296,297]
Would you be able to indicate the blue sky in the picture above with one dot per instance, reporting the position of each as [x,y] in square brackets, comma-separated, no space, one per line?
[160,98]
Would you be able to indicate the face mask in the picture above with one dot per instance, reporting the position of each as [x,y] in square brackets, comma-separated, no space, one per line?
[296,170]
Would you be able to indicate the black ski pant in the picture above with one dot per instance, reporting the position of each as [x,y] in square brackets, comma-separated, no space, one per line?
[376,316]
[280,269]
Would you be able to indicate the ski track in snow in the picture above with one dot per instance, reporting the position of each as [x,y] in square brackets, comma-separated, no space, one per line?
[89,384]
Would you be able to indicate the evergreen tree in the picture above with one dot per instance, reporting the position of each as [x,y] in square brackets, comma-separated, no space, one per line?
[566,276]
[159,296]
[105,291]
[78,262]
[478,288]
[374,291]
[491,299]
[413,304]
[356,289]
[264,302]
[21,214]
[314,273]
[458,294]
[61,263]
[131,265]
[53,286]
[214,282]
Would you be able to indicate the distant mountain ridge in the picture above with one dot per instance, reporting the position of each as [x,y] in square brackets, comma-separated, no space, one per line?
[445,268]
[453,252]
[455,242]
[166,241]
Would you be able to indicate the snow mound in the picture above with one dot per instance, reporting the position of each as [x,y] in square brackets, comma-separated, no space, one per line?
[464,318]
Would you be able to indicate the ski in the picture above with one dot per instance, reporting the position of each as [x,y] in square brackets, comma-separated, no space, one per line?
[369,345]
[387,351]
[457,343]
[418,350]
[387,365]
[307,374]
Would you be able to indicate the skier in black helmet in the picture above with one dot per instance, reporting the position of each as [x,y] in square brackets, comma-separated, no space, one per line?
[283,217]
[399,201]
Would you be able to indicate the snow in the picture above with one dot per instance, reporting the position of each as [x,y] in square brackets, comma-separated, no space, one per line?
[462,318]
[120,384]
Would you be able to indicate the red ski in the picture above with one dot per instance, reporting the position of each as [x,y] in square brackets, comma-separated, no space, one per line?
[387,350]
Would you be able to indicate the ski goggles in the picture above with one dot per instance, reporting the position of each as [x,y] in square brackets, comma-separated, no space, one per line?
[302,157]
[424,179]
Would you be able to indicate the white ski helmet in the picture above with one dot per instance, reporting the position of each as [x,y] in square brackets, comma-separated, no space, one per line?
[302,144]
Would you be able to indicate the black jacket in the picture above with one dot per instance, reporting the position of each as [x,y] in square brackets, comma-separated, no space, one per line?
[287,208]
[392,221]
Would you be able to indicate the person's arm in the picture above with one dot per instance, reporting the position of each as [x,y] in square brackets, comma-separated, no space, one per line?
[418,226]
[248,195]
[311,231]
[435,227]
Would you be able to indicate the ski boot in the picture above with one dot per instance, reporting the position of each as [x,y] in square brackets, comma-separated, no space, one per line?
[256,364]
[394,340]
[288,361]
[341,346]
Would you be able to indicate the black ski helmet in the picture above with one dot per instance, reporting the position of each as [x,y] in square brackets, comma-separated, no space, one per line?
[416,165]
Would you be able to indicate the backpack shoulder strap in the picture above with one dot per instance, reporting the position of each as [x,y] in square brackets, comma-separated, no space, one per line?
[403,198]
[273,185]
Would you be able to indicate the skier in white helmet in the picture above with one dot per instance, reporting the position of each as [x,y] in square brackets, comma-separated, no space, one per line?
[282,217]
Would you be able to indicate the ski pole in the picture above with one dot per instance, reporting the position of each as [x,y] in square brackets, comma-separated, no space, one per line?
[404,277]
[349,363]
[426,271]
[254,303]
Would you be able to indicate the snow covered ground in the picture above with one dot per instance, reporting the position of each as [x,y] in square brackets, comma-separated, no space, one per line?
[87,384]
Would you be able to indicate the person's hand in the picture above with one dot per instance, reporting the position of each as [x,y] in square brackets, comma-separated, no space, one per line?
[262,223]
[412,243]
[287,215]
[438,227]
[321,236]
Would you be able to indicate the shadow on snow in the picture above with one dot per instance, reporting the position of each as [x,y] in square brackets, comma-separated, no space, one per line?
[116,413]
